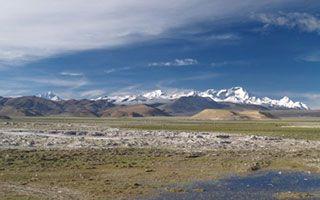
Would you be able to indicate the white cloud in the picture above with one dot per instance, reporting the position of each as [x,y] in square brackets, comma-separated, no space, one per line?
[109,71]
[199,77]
[310,98]
[313,57]
[226,36]
[71,74]
[176,62]
[91,93]
[71,84]
[127,90]
[303,21]
[112,70]
[35,29]
[226,63]
[15,92]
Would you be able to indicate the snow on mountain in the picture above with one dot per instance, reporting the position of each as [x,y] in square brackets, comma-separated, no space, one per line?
[237,95]
[50,96]
[241,96]
[178,94]
[156,94]
[232,95]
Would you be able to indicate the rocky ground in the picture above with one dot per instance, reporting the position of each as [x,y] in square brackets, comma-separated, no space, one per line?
[177,140]
[87,159]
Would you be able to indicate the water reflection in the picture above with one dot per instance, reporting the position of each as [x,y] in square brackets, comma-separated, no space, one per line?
[256,186]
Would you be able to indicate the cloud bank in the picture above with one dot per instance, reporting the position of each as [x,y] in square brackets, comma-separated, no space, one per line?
[175,63]
[35,29]
[303,21]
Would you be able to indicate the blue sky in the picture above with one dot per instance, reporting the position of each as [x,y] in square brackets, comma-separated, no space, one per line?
[82,50]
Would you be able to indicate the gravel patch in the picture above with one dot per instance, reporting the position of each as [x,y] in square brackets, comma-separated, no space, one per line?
[179,140]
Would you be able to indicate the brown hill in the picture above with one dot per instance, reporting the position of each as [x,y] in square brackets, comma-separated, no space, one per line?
[220,114]
[35,106]
[84,107]
[188,106]
[140,110]
[17,112]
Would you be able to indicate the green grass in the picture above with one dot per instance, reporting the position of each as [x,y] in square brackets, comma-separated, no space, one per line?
[128,173]
[278,128]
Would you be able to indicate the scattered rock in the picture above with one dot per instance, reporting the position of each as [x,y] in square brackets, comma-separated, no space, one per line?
[97,134]
[53,132]
[223,136]
[253,137]
[71,133]
[194,155]
[136,184]
[199,190]
[193,142]
[31,143]
[82,133]
[255,166]
[176,190]
[225,142]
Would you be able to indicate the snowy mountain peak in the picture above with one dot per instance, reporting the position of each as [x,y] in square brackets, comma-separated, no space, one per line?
[285,99]
[50,96]
[240,92]
[236,95]
[154,94]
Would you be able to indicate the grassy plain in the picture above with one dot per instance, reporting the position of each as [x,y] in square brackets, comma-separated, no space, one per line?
[128,173]
[296,128]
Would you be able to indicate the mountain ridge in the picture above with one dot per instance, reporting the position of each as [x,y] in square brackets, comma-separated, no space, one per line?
[50,96]
[175,103]
[237,95]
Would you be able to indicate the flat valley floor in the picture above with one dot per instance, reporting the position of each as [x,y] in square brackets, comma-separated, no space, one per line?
[140,158]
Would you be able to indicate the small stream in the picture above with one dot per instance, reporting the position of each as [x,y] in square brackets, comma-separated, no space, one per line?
[263,185]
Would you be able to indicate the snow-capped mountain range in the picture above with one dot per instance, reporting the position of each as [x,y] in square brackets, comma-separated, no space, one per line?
[237,95]
[50,95]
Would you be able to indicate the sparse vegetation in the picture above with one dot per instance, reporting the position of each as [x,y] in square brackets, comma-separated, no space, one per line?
[122,173]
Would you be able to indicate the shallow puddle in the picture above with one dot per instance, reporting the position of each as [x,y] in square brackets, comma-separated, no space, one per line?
[256,186]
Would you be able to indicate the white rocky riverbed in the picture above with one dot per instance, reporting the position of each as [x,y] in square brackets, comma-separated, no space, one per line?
[186,141]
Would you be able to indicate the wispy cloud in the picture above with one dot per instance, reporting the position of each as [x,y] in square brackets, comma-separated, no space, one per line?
[302,21]
[112,70]
[109,71]
[199,77]
[168,83]
[130,89]
[310,98]
[14,92]
[311,57]
[71,74]
[228,62]
[57,82]
[64,26]
[175,63]
[92,93]
[225,36]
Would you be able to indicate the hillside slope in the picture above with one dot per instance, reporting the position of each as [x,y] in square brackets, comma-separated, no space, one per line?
[133,111]
[216,114]
[190,105]
[36,106]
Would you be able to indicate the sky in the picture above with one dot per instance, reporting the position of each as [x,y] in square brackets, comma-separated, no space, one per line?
[87,49]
